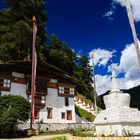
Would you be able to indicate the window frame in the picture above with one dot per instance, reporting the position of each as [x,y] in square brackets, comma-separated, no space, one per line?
[63,115]
[49,113]
[69,115]
[61,90]
[5,84]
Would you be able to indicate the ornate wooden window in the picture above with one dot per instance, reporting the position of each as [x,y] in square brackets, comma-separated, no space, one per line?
[49,111]
[69,115]
[66,91]
[37,100]
[61,90]
[5,84]
[71,90]
[41,86]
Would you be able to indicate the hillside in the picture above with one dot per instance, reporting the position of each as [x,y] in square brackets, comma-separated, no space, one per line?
[134,93]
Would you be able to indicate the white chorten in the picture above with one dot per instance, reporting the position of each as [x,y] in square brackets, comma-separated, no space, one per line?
[118,118]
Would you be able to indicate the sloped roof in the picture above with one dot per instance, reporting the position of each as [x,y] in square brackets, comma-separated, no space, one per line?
[43,68]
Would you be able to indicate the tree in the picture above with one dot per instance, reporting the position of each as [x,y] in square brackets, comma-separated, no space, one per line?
[60,55]
[16,29]
[13,109]
[83,72]
[16,38]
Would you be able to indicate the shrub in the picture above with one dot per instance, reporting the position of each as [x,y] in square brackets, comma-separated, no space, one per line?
[13,110]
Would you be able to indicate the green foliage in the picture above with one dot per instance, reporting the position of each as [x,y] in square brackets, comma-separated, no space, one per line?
[57,132]
[16,38]
[60,55]
[81,132]
[76,131]
[84,114]
[59,138]
[16,29]
[13,109]
[127,133]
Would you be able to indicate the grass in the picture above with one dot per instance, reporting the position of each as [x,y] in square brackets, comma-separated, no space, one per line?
[75,132]
[83,133]
[87,134]
[42,133]
[58,138]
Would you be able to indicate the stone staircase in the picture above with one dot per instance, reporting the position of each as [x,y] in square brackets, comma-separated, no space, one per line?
[83,105]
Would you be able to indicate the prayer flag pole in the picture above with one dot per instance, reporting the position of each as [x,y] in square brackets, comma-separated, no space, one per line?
[132,25]
[33,78]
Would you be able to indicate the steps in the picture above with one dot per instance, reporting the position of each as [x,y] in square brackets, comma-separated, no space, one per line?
[83,105]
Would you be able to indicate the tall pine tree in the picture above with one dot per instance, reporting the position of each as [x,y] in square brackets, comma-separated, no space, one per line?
[16,29]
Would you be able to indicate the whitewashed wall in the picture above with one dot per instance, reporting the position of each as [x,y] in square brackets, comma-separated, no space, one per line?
[52,101]
[16,88]
[58,105]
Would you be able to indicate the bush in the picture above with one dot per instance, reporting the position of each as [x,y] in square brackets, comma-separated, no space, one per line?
[13,110]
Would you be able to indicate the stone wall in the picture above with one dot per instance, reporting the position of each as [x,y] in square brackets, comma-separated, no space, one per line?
[58,126]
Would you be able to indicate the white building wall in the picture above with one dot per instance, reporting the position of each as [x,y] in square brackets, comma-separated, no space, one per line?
[52,101]
[16,88]
[58,105]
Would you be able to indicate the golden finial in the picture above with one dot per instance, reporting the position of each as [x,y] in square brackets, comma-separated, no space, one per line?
[34,19]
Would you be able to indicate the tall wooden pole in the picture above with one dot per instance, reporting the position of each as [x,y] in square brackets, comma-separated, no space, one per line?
[132,25]
[33,78]
[94,82]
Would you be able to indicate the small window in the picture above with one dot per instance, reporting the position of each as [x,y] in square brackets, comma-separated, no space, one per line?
[49,110]
[66,101]
[71,90]
[69,115]
[63,115]
[6,83]
[61,90]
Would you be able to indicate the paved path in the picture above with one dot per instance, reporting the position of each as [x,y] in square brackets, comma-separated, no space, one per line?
[69,137]
[47,137]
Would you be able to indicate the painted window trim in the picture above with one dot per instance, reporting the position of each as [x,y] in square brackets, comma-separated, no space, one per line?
[5,84]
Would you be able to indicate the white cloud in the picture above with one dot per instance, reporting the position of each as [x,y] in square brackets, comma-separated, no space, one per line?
[109,14]
[103,83]
[101,56]
[128,65]
[135,7]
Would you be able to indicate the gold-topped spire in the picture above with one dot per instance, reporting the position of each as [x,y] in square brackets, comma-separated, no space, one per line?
[34,19]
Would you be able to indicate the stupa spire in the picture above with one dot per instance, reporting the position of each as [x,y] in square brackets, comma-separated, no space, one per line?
[115,87]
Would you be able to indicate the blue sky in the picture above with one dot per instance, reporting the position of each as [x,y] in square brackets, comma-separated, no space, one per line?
[100,26]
